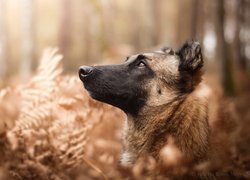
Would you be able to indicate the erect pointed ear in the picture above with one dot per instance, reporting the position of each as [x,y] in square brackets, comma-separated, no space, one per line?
[190,57]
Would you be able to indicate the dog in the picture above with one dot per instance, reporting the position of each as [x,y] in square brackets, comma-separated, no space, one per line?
[162,95]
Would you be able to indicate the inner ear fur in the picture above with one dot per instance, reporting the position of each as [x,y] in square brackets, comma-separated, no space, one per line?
[191,62]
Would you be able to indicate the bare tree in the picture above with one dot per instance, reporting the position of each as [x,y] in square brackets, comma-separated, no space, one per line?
[222,49]
[65,30]
[92,31]
[27,37]
[143,24]
[198,20]
[195,8]
[239,45]
[108,22]
[3,61]
[184,24]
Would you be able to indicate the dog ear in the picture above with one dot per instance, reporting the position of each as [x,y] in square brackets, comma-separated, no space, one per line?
[190,57]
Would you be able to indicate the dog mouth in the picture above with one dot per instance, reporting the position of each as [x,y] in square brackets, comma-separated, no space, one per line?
[113,85]
[82,76]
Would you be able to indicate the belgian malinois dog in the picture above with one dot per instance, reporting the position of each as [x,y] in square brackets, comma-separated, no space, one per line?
[161,94]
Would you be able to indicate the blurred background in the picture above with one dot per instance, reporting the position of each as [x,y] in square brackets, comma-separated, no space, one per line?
[106,31]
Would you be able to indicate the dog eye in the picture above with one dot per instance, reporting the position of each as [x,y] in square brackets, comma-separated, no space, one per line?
[141,64]
[127,58]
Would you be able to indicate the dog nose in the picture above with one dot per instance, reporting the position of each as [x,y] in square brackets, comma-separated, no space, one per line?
[84,71]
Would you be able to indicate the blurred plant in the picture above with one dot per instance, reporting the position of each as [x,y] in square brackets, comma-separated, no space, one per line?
[51,129]
[55,117]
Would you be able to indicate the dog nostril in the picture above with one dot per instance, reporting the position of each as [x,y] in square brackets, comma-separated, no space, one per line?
[84,71]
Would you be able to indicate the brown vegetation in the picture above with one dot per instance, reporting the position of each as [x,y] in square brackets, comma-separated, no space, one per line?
[51,129]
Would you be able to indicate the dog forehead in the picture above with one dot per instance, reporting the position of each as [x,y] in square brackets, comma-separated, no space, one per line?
[159,62]
[160,57]
[156,54]
[164,63]
[149,55]
[156,58]
[131,58]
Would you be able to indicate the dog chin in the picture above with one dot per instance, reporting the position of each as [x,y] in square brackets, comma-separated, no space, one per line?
[93,95]
[96,96]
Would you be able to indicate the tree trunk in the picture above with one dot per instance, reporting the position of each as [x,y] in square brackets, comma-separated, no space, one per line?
[184,24]
[239,45]
[65,31]
[197,21]
[157,16]
[3,56]
[222,50]
[27,37]
[195,8]
[107,23]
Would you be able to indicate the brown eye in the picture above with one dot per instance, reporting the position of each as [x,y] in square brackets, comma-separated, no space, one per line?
[141,64]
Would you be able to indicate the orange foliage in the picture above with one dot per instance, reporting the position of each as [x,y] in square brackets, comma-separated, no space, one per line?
[51,129]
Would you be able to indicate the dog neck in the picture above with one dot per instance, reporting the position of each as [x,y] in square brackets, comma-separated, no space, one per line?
[184,119]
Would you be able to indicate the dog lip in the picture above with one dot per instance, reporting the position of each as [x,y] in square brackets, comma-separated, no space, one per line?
[81,76]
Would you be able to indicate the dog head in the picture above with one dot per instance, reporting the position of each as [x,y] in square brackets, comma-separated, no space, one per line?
[147,79]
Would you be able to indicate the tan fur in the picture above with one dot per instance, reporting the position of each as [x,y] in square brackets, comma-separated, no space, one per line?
[185,120]
[168,114]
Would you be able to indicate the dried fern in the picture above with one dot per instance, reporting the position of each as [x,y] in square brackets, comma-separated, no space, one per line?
[55,117]
[56,131]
